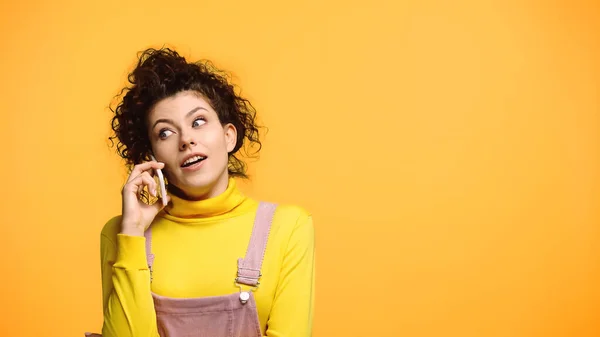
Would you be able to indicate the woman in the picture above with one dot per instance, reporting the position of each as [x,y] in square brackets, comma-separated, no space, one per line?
[212,262]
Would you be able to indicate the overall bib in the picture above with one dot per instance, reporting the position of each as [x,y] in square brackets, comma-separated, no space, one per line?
[233,315]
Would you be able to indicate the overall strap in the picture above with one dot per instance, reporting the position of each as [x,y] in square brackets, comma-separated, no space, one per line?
[149,255]
[249,267]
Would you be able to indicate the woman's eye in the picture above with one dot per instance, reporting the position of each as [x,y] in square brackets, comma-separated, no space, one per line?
[198,122]
[164,134]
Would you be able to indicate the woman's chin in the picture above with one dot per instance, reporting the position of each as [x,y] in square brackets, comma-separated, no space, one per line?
[198,187]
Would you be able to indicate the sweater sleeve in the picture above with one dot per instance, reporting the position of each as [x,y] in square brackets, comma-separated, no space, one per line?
[127,300]
[292,311]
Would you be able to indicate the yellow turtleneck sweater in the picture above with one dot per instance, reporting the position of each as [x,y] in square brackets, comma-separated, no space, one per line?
[196,246]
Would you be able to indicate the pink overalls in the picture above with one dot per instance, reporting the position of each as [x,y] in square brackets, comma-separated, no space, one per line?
[232,315]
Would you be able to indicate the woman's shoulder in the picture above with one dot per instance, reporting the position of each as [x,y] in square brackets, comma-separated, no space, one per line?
[111,228]
[292,210]
[292,216]
[293,227]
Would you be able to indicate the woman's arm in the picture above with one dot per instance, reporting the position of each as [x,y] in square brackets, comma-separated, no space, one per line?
[127,300]
[292,311]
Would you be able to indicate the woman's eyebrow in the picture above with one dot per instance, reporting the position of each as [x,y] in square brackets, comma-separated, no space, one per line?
[170,121]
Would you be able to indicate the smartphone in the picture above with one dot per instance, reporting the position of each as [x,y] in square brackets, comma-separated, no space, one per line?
[161,181]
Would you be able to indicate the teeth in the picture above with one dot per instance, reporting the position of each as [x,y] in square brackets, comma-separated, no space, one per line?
[193,159]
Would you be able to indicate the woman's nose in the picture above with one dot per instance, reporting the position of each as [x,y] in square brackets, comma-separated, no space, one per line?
[186,143]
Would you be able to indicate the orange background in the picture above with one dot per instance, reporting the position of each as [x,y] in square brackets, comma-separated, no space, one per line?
[449,150]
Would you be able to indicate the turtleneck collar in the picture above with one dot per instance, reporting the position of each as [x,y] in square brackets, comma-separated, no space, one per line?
[219,205]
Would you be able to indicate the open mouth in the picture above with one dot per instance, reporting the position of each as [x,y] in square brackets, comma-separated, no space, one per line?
[192,161]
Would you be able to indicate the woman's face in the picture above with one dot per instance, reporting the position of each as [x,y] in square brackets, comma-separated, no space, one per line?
[186,135]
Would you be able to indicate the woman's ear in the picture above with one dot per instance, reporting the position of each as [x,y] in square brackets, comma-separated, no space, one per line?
[230,137]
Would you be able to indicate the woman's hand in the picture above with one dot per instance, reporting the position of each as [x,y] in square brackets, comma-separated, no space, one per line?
[137,215]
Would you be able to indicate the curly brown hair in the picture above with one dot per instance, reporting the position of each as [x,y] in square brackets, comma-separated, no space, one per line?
[162,73]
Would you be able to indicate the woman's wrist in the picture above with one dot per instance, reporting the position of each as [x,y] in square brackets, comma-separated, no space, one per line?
[132,231]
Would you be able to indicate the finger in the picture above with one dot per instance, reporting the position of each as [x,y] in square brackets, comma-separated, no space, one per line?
[138,169]
[140,181]
[151,188]
[149,183]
